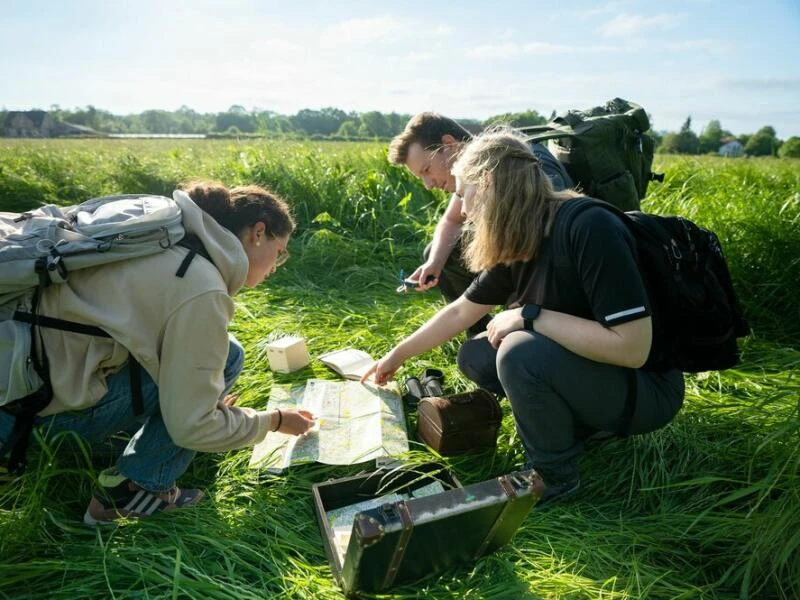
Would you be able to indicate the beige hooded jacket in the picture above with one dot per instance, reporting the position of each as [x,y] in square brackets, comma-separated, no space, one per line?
[175,327]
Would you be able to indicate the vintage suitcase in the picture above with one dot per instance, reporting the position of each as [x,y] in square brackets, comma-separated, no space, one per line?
[406,532]
[460,422]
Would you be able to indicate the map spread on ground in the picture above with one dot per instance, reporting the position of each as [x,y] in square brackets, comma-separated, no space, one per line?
[355,423]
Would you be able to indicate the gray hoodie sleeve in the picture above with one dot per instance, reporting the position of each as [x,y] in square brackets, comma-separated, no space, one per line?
[190,379]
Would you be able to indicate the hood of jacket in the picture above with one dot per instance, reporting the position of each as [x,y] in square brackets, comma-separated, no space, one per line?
[224,248]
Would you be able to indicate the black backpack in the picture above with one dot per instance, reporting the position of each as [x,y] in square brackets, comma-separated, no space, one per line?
[604,149]
[695,312]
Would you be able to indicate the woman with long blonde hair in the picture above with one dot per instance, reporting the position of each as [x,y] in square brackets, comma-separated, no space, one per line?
[571,355]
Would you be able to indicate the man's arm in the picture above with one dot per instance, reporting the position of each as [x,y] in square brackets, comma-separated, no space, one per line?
[445,237]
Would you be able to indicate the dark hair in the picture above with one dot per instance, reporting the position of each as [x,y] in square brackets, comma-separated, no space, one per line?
[242,207]
[426,129]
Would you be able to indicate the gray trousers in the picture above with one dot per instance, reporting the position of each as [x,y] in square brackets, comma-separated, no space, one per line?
[559,398]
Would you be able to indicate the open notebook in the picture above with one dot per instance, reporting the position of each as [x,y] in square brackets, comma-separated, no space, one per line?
[349,362]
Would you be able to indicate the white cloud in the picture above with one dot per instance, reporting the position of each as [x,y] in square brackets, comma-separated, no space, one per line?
[625,25]
[590,13]
[694,45]
[787,84]
[415,57]
[491,94]
[512,49]
[489,51]
[386,29]
[548,48]
[506,34]
[354,31]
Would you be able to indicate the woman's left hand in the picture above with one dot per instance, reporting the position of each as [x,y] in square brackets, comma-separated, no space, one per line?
[502,324]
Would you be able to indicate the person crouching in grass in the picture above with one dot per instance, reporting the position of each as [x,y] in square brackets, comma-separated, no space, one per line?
[570,358]
[171,313]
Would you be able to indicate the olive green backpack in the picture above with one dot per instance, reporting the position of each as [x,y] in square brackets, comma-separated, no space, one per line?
[604,149]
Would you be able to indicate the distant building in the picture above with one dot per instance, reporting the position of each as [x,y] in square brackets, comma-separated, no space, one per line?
[30,123]
[39,124]
[732,149]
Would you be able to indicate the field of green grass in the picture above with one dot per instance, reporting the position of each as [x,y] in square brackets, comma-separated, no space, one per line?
[708,507]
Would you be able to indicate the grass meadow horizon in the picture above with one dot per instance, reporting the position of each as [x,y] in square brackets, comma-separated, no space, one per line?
[708,507]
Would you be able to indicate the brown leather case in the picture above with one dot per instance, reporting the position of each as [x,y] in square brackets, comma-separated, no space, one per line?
[459,423]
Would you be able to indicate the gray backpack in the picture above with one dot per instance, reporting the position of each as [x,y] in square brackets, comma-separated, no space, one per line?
[42,247]
[605,150]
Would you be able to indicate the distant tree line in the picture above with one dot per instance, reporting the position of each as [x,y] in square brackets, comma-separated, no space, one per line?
[237,120]
[334,123]
[763,142]
[329,122]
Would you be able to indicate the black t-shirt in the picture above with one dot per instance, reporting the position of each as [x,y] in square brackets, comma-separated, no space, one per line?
[589,271]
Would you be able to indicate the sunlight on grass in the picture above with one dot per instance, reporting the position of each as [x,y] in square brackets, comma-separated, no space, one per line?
[708,507]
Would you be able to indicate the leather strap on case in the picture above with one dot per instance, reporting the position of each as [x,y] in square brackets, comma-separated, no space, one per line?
[508,488]
[402,543]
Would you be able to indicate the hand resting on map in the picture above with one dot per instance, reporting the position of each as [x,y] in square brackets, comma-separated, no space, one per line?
[292,421]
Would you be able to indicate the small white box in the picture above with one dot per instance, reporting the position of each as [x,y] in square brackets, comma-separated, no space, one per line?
[288,354]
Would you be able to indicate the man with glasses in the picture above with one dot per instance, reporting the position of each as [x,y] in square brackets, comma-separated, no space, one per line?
[428,146]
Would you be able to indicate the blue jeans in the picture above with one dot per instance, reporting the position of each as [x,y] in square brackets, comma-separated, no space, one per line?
[151,459]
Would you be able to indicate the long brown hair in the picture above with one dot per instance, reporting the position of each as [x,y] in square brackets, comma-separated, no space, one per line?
[242,207]
[515,203]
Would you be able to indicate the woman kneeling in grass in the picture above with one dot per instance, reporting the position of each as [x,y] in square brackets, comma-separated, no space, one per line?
[570,357]
[175,326]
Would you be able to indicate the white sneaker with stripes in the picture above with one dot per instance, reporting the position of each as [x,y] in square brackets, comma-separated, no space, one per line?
[118,497]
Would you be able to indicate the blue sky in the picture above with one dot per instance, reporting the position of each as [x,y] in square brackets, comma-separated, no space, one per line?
[738,62]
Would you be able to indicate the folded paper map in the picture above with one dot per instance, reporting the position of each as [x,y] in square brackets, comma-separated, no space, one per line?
[355,423]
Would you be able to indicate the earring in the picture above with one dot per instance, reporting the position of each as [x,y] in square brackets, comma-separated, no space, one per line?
[258,243]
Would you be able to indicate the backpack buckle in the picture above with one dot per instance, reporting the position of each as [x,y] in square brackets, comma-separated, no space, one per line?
[165,242]
[51,269]
[676,251]
[56,269]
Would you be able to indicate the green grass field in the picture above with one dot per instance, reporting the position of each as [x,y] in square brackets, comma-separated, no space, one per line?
[708,507]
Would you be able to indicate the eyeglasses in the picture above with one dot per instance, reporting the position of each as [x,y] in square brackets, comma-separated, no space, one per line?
[283,256]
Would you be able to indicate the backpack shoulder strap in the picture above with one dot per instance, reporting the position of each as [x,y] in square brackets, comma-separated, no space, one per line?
[195,246]
[572,208]
[567,213]
[575,207]
[542,133]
